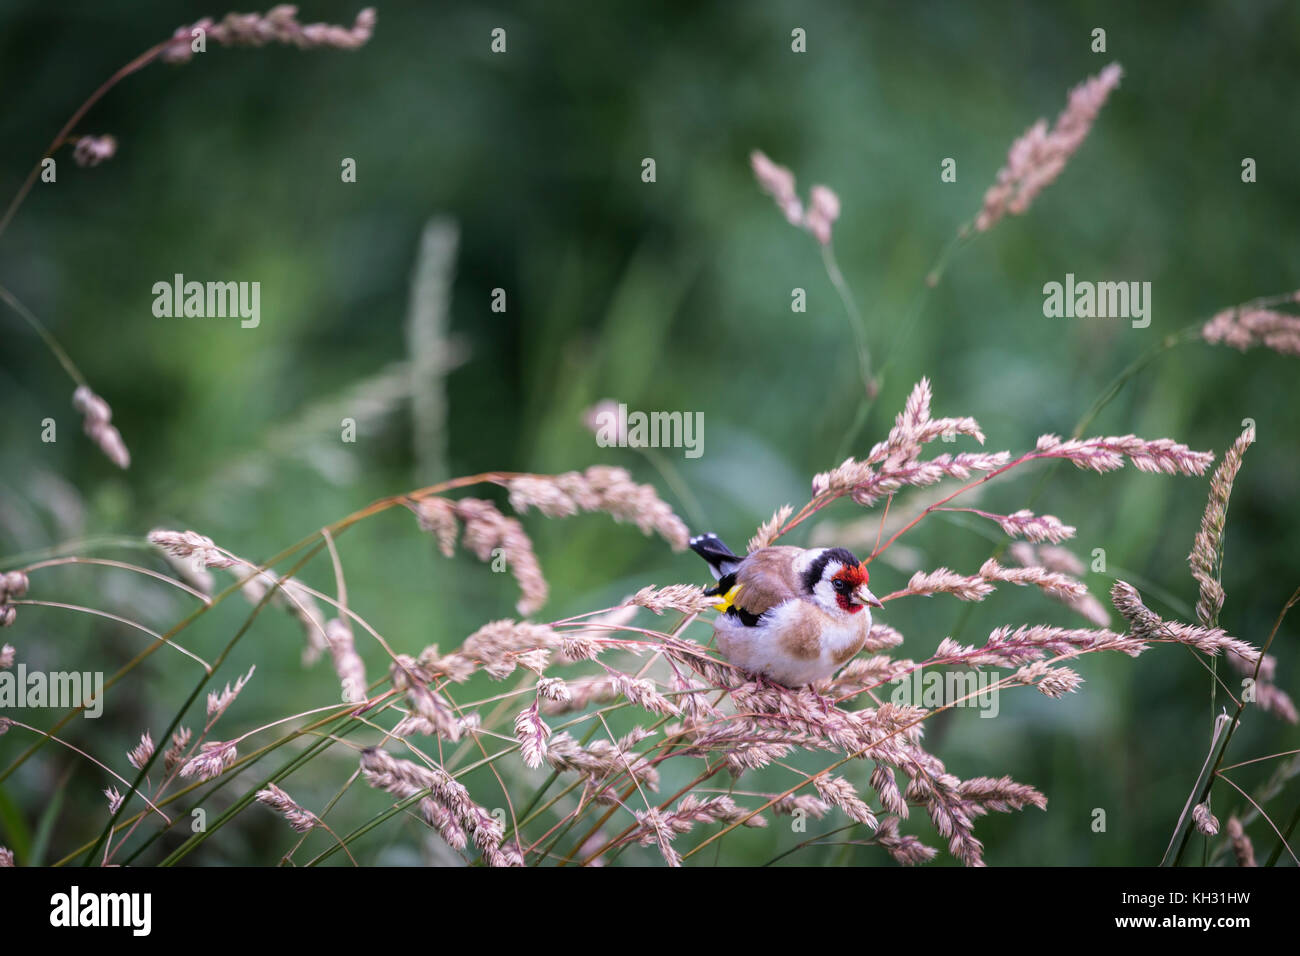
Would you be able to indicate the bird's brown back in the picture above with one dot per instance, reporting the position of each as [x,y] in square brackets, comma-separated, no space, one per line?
[768,578]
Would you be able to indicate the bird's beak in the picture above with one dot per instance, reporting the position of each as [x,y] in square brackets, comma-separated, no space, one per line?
[863,596]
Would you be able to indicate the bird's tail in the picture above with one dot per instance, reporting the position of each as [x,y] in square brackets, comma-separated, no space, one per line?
[722,561]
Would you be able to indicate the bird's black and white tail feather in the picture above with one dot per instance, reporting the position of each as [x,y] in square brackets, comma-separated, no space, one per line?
[722,562]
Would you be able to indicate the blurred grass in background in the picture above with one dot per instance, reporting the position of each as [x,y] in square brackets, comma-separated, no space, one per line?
[667,296]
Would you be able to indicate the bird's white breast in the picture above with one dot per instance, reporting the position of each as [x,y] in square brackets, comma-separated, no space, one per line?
[761,649]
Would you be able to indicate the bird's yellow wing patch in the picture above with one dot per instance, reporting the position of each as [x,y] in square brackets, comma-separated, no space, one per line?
[728,599]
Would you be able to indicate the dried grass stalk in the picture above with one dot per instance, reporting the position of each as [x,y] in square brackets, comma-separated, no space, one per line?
[1207,548]
[278,25]
[1242,848]
[1039,156]
[97,419]
[1146,625]
[599,488]
[1244,328]
[778,182]
[298,817]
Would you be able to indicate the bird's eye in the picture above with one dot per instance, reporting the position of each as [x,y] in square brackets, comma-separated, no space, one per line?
[840,585]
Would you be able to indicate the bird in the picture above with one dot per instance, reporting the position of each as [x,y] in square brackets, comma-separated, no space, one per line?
[793,616]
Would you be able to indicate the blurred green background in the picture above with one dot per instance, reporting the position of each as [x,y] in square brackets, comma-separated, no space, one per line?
[672,295]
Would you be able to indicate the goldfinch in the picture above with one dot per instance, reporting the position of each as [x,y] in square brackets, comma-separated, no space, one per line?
[791,615]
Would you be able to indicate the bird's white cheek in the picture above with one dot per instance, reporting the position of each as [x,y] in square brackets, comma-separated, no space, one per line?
[824,593]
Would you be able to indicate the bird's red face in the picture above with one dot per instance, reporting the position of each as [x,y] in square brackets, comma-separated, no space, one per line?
[849,583]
